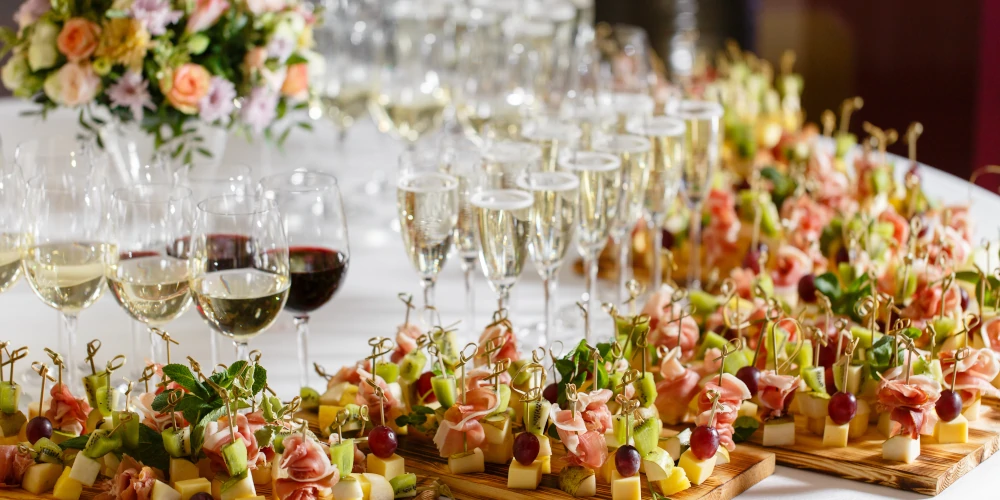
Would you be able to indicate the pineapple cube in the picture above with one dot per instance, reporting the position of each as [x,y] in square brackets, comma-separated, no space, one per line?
[816,426]
[40,478]
[524,477]
[657,464]
[813,406]
[884,424]
[188,488]
[748,409]
[625,488]
[67,488]
[181,469]
[778,432]
[835,436]
[722,456]
[956,431]
[388,468]
[697,471]
[242,489]
[901,449]
[348,488]
[467,463]
[859,424]
[162,491]
[545,463]
[85,469]
[327,417]
[676,483]
[971,412]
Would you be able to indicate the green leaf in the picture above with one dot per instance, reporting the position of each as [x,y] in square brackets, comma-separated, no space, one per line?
[183,376]
[259,380]
[783,185]
[150,450]
[829,285]
[198,432]
[77,443]
[744,427]
[880,356]
[160,401]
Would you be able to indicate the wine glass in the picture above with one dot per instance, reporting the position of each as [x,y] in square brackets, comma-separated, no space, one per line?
[504,161]
[319,251]
[11,220]
[466,165]
[553,217]
[633,152]
[239,266]
[631,66]
[552,136]
[427,203]
[503,223]
[702,143]
[600,188]
[629,107]
[666,136]
[147,268]
[352,50]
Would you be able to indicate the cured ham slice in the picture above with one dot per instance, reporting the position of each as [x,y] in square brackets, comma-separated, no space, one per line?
[676,390]
[349,373]
[66,412]
[732,391]
[478,377]
[775,392]
[132,481]
[975,373]
[663,324]
[217,435]
[13,464]
[310,475]
[791,265]
[584,447]
[908,403]
[593,409]
[367,396]
[461,427]
[154,419]
[501,334]
[406,340]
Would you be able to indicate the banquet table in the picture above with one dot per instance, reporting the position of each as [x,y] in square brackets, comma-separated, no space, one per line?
[367,306]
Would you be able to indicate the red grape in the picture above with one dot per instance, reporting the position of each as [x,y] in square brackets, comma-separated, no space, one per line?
[425,391]
[704,442]
[843,406]
[201,496]
[749,375]
[949,405]
[807,288]
[627,461]
[382,442]
[526,448]
[38,428]
[965,298]
[551,393]
[752,261]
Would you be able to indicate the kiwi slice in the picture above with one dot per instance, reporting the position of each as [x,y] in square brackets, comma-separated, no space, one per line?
[342,455]
[388,371]
[646,435]
[412,365]
[645,390]
[177,442]
[11,423]
[619,425]
[107,400]
[129,430]
[101,443]
[309,397]
[48,452]
[712,339]
[815,378]
[234,455]
[404,485]
[448,346]
[536,416]
[10,393]
[445,390]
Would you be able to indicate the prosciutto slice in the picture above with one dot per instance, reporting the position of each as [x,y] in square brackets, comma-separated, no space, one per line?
[676,390]
[13,464]
[461,426]
[502,334]
[593,409]
[908,403]
[132,481]
[154,419]
[732,391]
[975,373]
[366,396]
[217,435]
[406,340]
[349,373]
[584,447]
[478,377]
[66,412]
[663,324]
[775,392]
[791,265]
[310,475]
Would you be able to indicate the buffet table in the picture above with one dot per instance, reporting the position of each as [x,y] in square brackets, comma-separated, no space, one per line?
[367,306]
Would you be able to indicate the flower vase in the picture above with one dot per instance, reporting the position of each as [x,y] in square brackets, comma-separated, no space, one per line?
[134,158]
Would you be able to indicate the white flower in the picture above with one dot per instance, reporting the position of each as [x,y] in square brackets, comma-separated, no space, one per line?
[15,71]
[280,48]
[155,15]
[30,11]
[218,103]
[259,109]
[42,51]
[132,91]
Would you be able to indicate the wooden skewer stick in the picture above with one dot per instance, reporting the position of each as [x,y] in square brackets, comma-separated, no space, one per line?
[849,106]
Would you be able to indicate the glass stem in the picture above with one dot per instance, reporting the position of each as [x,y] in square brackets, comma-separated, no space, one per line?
[428,285]
[550,282]
[302,334]
[656,277]
[157,354]
[694,262]
[624,268]
[503,299]
[469,269]
[67,347]
[590,262]
[138,332]
[242,351]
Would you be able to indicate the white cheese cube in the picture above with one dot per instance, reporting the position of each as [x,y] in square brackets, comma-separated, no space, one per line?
[835,436]
[467,463]
[971,412]
[85,469]
[901,449]
[524,477]
[777,432]
[748,409]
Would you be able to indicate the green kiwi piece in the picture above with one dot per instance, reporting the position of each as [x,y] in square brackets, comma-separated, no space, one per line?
[536,416]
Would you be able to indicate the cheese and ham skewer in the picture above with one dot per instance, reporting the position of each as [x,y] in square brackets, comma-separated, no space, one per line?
[132,481]
[975,373]
[775,392]
[308,473]
[67,413]
[676,390]
[908,402]
[581,429]
[461,426]
[732,392]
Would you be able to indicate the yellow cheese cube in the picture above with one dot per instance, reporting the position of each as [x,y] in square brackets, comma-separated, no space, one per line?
[467,463]
[40,478]
[388,468]
[816,426]
[181,469]
[835,436]
[162,491]
[524,477]
[859,424]
[546,464]
[327,418]
[884,424]
[901,449]
[793,407]
[697,471]
[956,431]
[778,432]
[349,396]
[499,447]
[971,412]
[854,378]
[188,488]
[66,487]
[676,483]
[333,394]
[625,488]
[748,409]
[606,470]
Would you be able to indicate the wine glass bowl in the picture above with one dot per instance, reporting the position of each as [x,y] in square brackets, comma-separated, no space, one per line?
[427,203]
[553,137]
[504,161]
[630,107]
[352,51]
[503,219]
[11,220]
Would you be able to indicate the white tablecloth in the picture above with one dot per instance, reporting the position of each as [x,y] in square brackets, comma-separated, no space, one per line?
[367,306]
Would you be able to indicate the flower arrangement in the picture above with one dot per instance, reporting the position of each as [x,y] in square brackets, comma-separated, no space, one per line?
[165,65]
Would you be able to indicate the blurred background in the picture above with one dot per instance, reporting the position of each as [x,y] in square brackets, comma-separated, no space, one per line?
[911,60]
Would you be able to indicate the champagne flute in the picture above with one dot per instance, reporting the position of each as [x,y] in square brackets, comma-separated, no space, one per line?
[600,188]
[629,107]
[352,51]
[503,222]
[666,136]
[631,67]
[633,151]
[147,270]
[319,251]
[466,165]
[553,216]
[239,285]
[11,212]
[504,161]
[64,250]
[552,136]
[702,147]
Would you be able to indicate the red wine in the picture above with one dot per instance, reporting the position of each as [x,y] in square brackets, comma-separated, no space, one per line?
[317,274]
[224,251]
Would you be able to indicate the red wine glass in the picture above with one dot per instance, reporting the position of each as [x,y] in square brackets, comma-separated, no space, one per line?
[319,252]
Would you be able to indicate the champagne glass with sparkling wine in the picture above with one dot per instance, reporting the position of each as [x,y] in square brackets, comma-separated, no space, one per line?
[11,212]
[239,282]
[466,165]
[313,212]
[503,222]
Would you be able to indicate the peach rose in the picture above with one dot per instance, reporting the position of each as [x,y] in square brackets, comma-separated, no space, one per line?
[206,13]
[74,84]
[296,80]
[190,83]
[255,58]
[78,39]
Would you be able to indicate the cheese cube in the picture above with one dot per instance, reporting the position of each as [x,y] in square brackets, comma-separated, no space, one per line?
[676,483]
[779,432]
[885,424]
[625,488]
[835,436]
[467,463]
[262,474]
[816,426]
[188,488]
[524,477]
[901,449]
[956,431]
[85,469]
[657,464]
[611,440]
[348,488]
[971,412]
[181,469]
[722,456]
[747,409]
[242,489]
[499,447]
[217,488]
[697,471]
[388,468]
[327,418]
[546,464]
[606,470]
[793,407]
[40,478]
[67,488]
[859,424]
[162,491]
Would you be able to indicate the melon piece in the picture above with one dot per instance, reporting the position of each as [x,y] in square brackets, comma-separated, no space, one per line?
[40,478]
[901,449]
[778,432]
[182,469]
[85,469]
[378,487]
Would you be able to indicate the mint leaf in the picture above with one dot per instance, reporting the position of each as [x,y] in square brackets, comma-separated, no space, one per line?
[150,450]
[182,375]
[77,443]
[198,431]
[879,356]
[828,285]
[744,427]
[259,380]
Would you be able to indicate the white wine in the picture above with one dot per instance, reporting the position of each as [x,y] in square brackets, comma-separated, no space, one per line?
[10,260]
[409,113]
[503,222]
[152,289]
[702,146]
[346,104]
[504,161]
[553,216]
[465,228]
[66,276]
[496,121]
[600,188]
[240,303]
[666,136]
[428,213]
[552,137]
[630,107]
[633,152]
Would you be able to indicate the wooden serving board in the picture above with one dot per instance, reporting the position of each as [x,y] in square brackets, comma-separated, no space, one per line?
[748,467]
[937,467]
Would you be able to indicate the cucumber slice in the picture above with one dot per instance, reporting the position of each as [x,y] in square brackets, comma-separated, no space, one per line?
[536,416]
[445,389]
[10,393]
[310,398]
[129,431]
[48,452]
[388,371]
[503,393]
[703,302]
[615,380]
[404,485]
[342,455]
[101,443]
[234,455]
[645,390]
[711,339]
[177,442]
[412,366]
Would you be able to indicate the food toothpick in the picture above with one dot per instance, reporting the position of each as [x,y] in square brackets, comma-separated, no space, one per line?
[634,289]
[572,396]
[912,134]
[945,286]
[586,320]
[343,416]
[848,107]
[554,356]
[845,360]
[670,267]
[730,347]
[92,347]
[595,355]
[43,371]
[173,397]
[167,339]
[57,360]
[408,300]
[492,346]
[829,121]
[147,374]
[464,357]
[380,347]
[758,214]
[959,356]
[380,394]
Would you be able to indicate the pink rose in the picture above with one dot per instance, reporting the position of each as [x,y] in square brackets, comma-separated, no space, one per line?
[296,81]
[190,83]
[73,84]
[206,13]
[259,7]
[78,39]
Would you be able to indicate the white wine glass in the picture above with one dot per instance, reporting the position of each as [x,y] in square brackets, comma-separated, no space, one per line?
[633,152]
[503,223]
[352,49]
[312,209]
[629,107]
[466,165]
[631,68]
[11,220]
[666,137]
[147,267]
[552,136]
[504,161]
[702,149]
[553,218]
[239,282]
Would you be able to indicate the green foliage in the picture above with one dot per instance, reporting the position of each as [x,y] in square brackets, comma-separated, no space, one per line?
[744,427]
